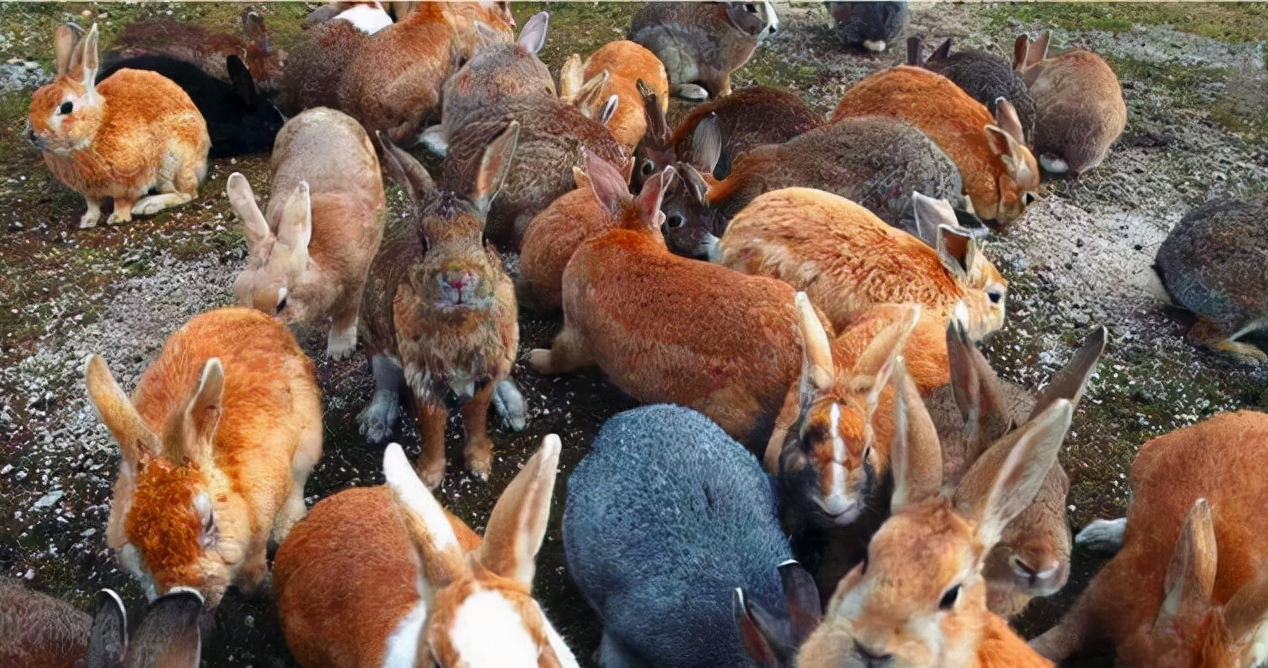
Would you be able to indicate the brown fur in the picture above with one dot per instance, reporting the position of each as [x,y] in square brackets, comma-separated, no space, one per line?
[40,631]
[1219,459]
[134,132]
[847,259]
[265,436]
[316,65]
[627,63]
[551,240]
[925,350]
[699,40]
[996,173]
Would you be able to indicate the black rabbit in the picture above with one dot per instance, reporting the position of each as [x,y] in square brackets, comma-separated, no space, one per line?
[871,25]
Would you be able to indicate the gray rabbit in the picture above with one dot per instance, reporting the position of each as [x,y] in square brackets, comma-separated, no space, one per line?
[985,76]
[702,43]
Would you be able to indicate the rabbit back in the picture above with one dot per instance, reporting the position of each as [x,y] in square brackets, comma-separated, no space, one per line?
[871,25]
[329,150]
[317,63]
[696,41]
[549,242]
[988,77]
[1080,108]
[1214,263]
[747,119]
[664,518]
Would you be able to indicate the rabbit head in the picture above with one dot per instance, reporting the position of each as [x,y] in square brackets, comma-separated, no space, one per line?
[692,227]
[918,599]
[66,114]
[957,247]
[499,70]
[586,94]
[486,593]
[1019,183]
[641,213]
[459,273]
[265,63]
[752,18]
[276,259]
[830,460]
[772,642]
[654,152]
[170,534]
[1190,630]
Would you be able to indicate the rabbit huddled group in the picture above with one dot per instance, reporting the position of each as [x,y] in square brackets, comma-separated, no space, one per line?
[827,472]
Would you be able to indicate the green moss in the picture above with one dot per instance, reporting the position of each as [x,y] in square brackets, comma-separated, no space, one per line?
[1225,21]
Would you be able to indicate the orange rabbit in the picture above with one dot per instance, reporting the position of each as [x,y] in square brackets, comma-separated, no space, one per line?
[551,239]
[627,63]
[999,172]
[133,133]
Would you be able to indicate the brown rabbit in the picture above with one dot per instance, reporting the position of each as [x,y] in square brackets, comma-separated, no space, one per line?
[553,236]
[1189,588]
[319,60]
[134,133]
[918,599]
[1079,103]
[627,63]
[216,443]
[702,43]
[209,51]
[312,250]
[847,259]
[440,308]
[999,173]
[667,329]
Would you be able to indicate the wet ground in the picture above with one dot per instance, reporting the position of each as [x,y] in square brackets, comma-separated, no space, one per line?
[1197,95]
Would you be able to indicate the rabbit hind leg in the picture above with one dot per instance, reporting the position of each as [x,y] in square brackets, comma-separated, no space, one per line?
[567,353]
[1210,334]
[92,216]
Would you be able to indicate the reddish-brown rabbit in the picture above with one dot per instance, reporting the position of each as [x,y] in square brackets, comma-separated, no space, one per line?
[1189,586]
[217,441]
[311,251]
[627,63]
[847,259]
[553,236]
[134,133]
[667,329]
[999,173]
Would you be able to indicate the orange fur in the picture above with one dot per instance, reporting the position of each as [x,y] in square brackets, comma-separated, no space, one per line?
[627,62]
[925,350]
[550,241]
[957,123]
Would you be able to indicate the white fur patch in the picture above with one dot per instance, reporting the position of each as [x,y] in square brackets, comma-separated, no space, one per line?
[772,19]
[488,632]
[402,645]
[368,20]
[838,452]
[130,559]
[404,481]
[876,45]
[562,652]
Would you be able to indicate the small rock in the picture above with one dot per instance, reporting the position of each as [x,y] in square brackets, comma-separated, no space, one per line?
[48,499]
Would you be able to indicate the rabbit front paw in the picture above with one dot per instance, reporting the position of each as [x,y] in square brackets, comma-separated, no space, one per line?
[480,458]
[341,343]
[91,217]
[510,406]
[148,206]
[380,416]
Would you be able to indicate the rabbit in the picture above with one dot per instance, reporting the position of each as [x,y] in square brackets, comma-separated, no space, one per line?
[874,161]
[44,632]
[1189,587]
[668,329]
[151,139]
[239,119]
[627,63]
[1079,105]
[439,311]
[368,17]
[984,76]
[746,119]
[553,236]
[666,519]
[230,401]
[552,140]
[870,25]
[323,53]
[495,74]
[999,173]
[847,259]
[918,598]
[384,576]
[394,80]
[1214,263]
[192,43]
[702,43]
[310,254]
[1032,557]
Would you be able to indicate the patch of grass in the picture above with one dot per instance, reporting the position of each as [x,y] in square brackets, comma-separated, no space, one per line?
[577,27]
[1224,21]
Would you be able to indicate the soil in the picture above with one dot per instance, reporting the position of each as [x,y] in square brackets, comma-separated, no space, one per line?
[1195,87]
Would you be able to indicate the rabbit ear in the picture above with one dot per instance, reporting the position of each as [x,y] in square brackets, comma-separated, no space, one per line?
[1013,154]
[1191,573]
[406,171]
[88,59]
[241,79]
[657,125]
[930,214]
[753,636]
[745,20]
[1012,472]
[915,453]
[134,437]
[608,184]
[652,195]
[428,525]
[295,230]
[571,77]
[696,181]
[1028,53]
[1071,381]
[580,178]
[887,344]
[1246,613]
[956,248]
[1006,118]
[609,109]
[517,525]
[189,433]
[170,635]
[242,200]
[942,52]
[817,370]
[64,40]
[253,27]
[706,144]
[494,167]
[108,641]
[533,36]
[915,46]
[977,391]
[801,597]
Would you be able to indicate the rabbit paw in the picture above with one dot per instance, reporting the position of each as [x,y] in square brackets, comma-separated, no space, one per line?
[91,217]
[435,141]
[148,206]
[432,475]
[509,404]
[480,459]
[341,343]
[1102,536]
[119,216]
[693,92]
[1053,165]
[380,416]
[540,358]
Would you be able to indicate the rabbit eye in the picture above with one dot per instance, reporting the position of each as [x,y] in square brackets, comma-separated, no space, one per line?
[751,8]
[647,167]
[66,108]
[995,297]
[949,598]
[281,305]
[675,221]
[1027,198]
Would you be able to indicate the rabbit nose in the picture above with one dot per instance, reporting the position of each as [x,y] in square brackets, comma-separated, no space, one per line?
[870,658]
[1030,573]
[459,281]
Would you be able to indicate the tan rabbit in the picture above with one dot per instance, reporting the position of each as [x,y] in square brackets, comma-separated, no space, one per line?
[625,64]
[553,236]
[133,133]
[312,250]
[918,599]
[702,43]
[322,55]
[384,576]
[217,441]
[1079,104]
[440,308]
[1189,587]
[847,259]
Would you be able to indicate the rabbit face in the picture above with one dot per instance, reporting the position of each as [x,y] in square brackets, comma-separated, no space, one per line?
[691,227]
[266,284]
[65,116]
[828,465]
[457,273]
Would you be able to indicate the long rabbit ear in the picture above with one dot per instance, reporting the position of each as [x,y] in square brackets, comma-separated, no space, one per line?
[296,227]
[517,525]
[931,213]
[1071,380]
[255,30]
[533,36]
[428,525]
[942,52]
[406,172]
[108,642]
[1006,118]
[650,197]
[117,412]
[190,432]
[89,60]
[706,144]
[170,635]
[956,249]
[915,46]
[240,77]
[571,78]
[916,452]
[494,167]
[817,371]
[1190,577]
[753,637]
[608,184]
[242,200]
[978,392]
[64,40]
[1246,613]
[657,125]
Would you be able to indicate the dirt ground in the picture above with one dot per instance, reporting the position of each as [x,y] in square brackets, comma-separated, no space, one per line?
[1197,96]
